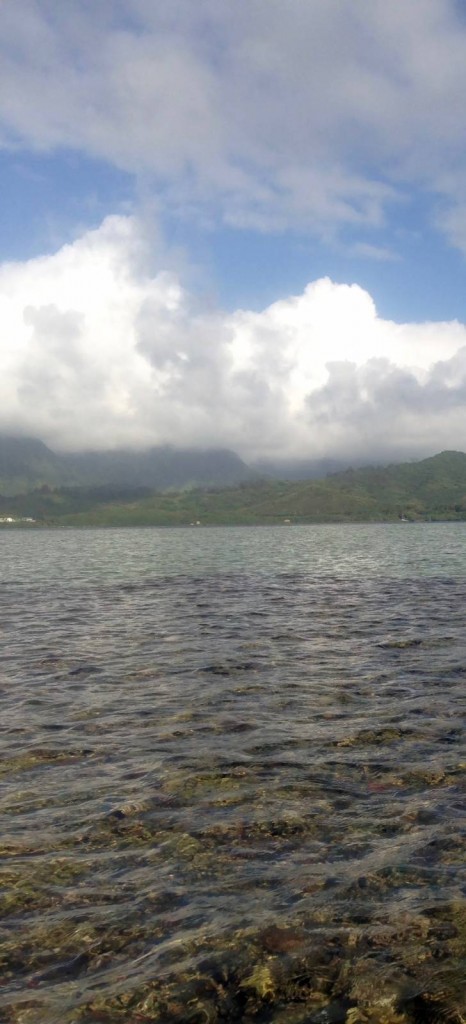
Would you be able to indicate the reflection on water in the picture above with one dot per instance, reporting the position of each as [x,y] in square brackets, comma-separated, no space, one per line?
[233,775]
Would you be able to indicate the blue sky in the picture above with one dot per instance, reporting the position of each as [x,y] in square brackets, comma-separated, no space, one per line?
[49,198]
[272,198]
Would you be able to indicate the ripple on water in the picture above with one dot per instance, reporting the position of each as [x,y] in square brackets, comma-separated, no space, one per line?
[234,796]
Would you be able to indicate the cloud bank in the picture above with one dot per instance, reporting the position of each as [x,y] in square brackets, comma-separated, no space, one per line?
[313,116]
[99,350]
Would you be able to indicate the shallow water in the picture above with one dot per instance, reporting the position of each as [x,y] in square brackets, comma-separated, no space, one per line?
[233,774]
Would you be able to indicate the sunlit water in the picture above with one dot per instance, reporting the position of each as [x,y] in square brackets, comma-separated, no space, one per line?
[233,773]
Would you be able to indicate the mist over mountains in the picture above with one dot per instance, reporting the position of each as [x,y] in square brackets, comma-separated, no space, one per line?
[167,486]
[26,463]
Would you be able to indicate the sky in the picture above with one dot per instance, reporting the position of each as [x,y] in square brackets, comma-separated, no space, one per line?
[237,225]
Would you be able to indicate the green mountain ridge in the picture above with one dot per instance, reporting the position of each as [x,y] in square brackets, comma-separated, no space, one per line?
[431,489]
[27,464]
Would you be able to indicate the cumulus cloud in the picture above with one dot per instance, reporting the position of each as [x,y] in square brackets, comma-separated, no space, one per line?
[269,115]
[99,349]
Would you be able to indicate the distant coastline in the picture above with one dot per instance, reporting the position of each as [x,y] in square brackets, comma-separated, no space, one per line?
[432,490]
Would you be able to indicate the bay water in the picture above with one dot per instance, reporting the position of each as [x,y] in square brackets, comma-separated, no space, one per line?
[233,774]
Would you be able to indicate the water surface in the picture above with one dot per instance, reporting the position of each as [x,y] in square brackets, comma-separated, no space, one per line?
[233,774]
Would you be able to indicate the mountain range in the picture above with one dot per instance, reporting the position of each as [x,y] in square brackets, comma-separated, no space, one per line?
[165,486]
[27,463]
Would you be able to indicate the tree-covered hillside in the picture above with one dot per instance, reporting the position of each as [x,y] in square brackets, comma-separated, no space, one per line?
[432,489]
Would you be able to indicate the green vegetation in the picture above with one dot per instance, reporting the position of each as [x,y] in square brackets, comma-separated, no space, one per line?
[27,463]
[434,489]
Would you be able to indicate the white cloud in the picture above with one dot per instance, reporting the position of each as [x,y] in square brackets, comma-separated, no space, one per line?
[99,350]
[272,115]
